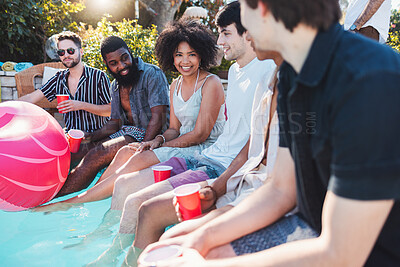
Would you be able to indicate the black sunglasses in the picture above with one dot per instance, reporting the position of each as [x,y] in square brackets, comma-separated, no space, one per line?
[70,51]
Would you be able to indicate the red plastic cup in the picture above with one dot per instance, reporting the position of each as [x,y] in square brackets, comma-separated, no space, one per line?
[61,98]
[161,254]
[74,139]
[161,173]
[188,198]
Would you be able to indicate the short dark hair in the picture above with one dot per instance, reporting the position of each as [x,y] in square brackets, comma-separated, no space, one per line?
[111,44]
[67,35]
[319,14]
[229,14]
[197,35]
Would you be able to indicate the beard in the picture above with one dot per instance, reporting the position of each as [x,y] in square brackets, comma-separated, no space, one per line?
[73,63]
[129,79]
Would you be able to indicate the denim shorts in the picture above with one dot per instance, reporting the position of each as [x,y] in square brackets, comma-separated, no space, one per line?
[287,229]
[212,168]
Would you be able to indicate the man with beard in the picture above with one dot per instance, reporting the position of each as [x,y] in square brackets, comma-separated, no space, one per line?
[88,88]
[88,108]
[139,109]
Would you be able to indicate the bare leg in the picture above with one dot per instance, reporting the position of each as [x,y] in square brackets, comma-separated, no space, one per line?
[154,215]
[122,156]
[128,171]
[104,189]
[191,225]
[96,159]
[157,193]
[128,221]
[159,212]
[125,185]
[110,218]
[109,257]
[83,150]
[132,257]
[129,184]
[135,163]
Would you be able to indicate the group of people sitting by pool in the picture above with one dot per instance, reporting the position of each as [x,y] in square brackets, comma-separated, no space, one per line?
[306,176]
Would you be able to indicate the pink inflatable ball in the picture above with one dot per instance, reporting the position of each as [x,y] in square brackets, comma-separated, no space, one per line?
[34,156]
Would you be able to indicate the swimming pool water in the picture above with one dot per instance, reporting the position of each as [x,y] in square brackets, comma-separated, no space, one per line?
[37,239]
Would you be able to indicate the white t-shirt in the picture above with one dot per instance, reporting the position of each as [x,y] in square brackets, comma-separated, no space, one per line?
[242,84]
[252,175]
[380,20]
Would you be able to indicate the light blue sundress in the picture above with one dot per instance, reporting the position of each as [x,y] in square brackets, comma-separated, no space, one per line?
[187,113]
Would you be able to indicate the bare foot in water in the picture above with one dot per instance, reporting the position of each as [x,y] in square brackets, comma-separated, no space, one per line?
[110,256]
[58,206]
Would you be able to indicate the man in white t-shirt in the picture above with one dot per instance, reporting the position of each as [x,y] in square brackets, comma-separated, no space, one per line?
[369,17]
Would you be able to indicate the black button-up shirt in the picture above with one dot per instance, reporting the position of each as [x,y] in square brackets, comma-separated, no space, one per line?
[340,118]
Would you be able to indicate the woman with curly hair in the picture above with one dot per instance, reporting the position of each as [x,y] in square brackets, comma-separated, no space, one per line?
[196,108]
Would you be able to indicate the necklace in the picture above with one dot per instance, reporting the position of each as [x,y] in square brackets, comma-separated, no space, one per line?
[195,85]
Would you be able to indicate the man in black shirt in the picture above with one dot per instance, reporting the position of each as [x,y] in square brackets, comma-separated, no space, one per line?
[338,160]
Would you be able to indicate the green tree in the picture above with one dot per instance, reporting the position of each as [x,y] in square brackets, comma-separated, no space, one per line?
[57,15]
[212,7]
[20,28]
[394,30]
[26,25]
[140,41]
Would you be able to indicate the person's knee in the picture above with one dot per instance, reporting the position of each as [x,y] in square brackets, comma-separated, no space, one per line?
[147,212]
[120,184]
[132,203]
[124,151]
[124,185]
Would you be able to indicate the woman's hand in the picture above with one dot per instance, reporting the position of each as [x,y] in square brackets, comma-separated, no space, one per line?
[149,145]
[134,145]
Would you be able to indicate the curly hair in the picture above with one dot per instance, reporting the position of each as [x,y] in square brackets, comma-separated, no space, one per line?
[197,35]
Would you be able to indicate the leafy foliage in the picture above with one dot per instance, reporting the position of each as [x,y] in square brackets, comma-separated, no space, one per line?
[139,40]
[394,30]
[212,6]
[225,64]
[57,15]
[20,27]
[26,25]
